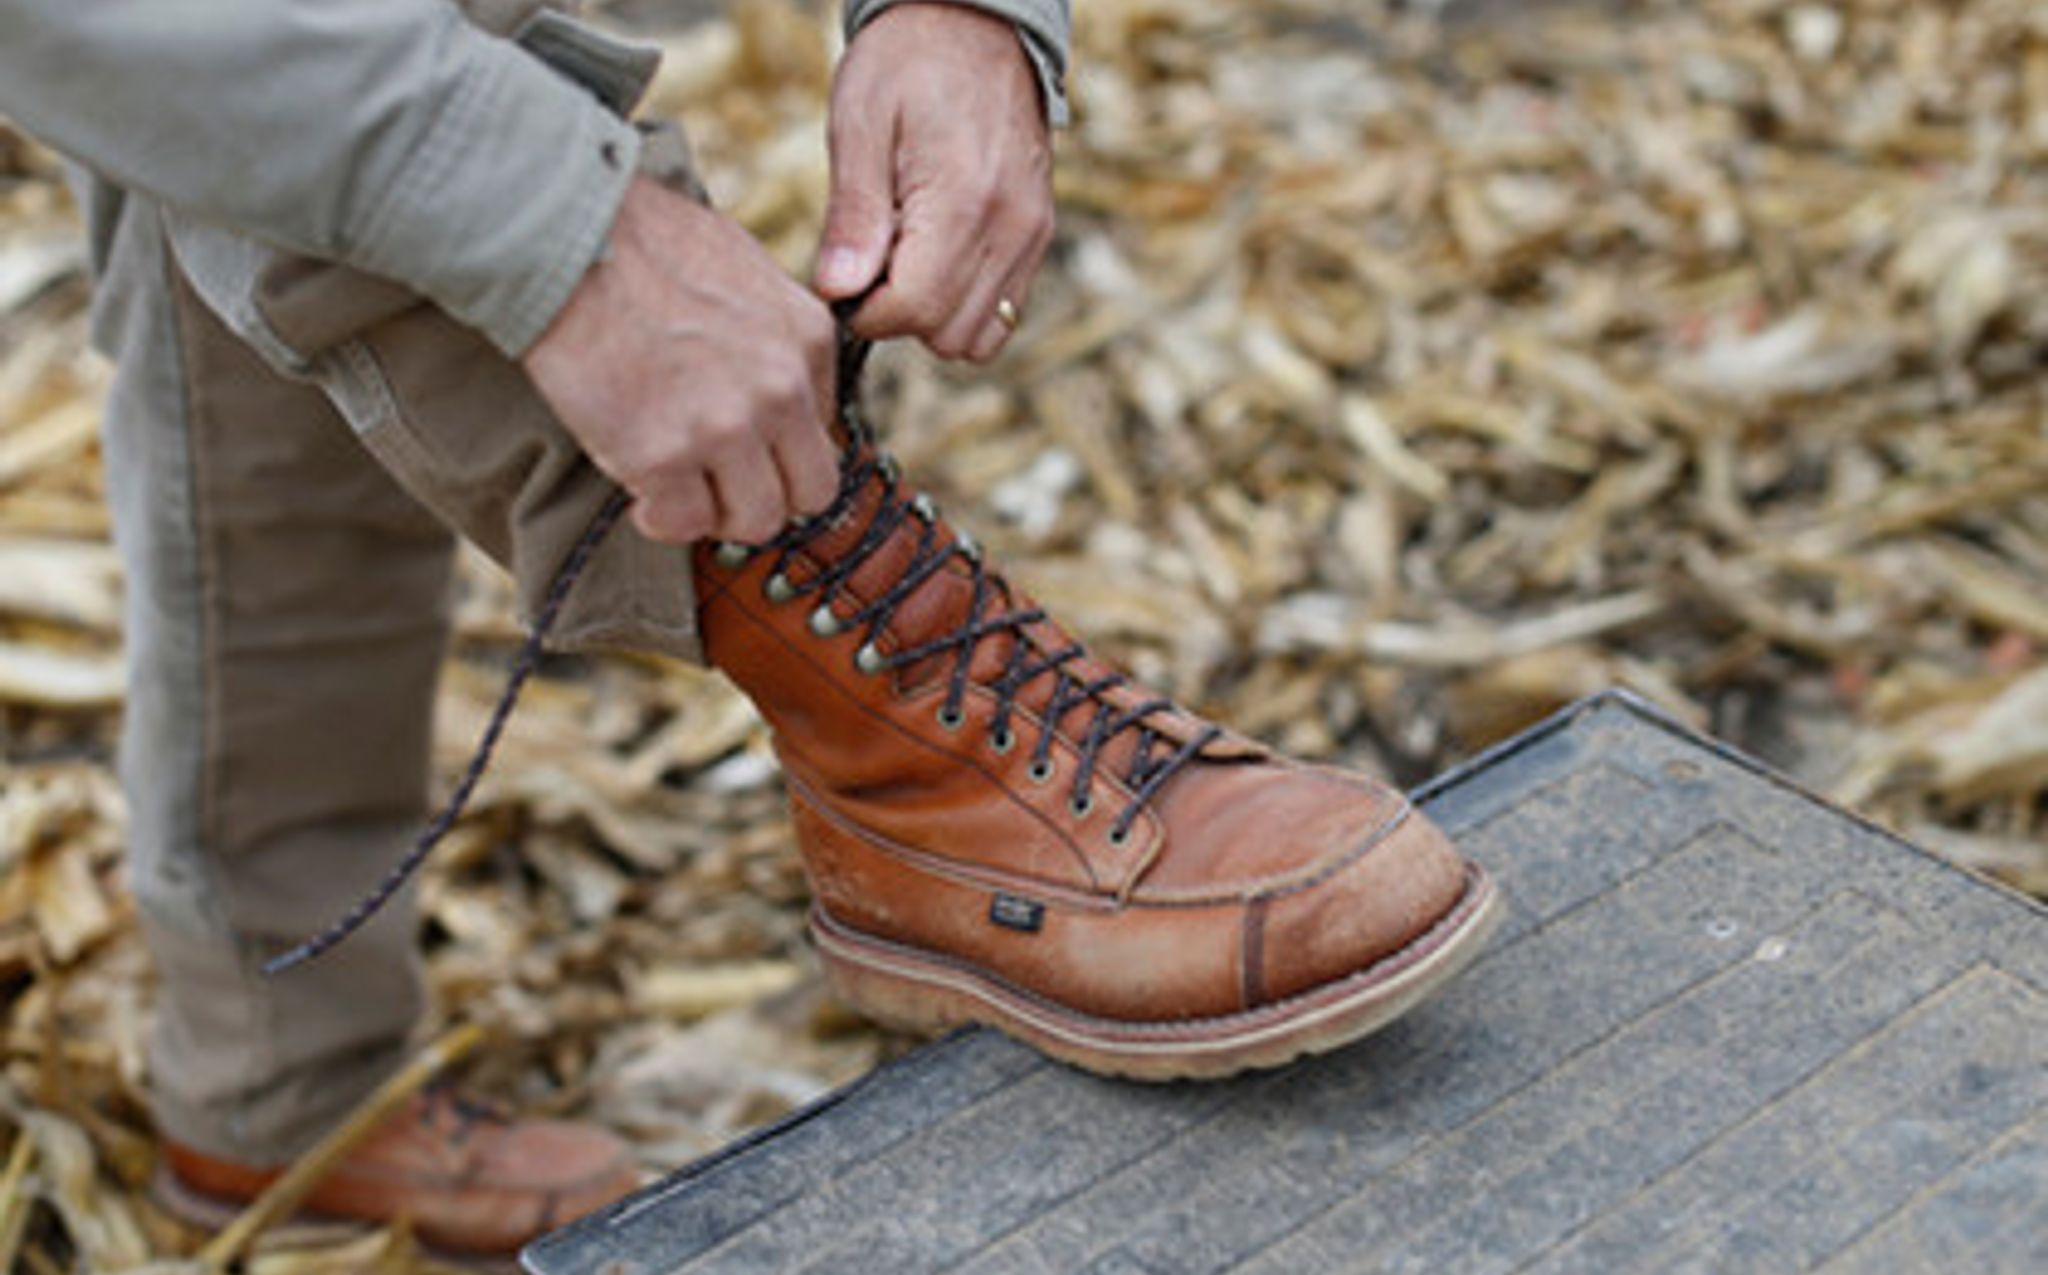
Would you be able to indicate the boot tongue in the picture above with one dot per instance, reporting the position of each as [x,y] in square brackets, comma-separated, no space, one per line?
[937,607]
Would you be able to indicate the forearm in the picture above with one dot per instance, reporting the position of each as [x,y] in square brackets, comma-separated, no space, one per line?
[387,134]
[1046,27]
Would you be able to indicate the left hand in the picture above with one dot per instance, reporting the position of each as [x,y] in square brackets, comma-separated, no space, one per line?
[941,178]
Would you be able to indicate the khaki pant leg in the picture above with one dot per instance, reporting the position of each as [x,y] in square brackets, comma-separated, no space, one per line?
[458,425]
[287,609]
[287,614]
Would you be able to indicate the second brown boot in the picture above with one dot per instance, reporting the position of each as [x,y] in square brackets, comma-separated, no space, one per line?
[475,1183]
[1000,829]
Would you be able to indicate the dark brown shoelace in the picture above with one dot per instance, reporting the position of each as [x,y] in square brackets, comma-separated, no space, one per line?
[987,616]
[862,463]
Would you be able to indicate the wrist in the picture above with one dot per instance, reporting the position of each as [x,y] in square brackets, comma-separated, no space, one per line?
[1042,28]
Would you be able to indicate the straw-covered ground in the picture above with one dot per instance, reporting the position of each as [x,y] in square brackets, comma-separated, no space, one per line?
[1398,377]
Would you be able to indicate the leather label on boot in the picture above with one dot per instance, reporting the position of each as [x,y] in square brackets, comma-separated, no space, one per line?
[1014,912]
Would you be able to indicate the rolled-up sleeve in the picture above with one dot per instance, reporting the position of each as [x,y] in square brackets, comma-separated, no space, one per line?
[387,134]
[1045,26]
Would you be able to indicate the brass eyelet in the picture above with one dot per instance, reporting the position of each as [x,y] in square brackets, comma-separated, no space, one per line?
[824,623]
[1119,837]
[1041,772]
[778,589]
[1080,806]
[951,718]
[1002,741]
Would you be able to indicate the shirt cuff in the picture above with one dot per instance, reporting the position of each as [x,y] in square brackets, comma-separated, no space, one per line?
[509,197]
[1044,26]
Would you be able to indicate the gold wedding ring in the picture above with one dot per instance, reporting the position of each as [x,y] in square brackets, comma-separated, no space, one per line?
[1006,313]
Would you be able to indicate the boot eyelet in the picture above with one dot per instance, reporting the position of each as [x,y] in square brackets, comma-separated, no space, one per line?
[823,623]
[869,659]
[926,511]
[1119,837]
[968,547]
[778,589]
[732,555]
[951,718]
[1002,741]
[1041,772]
[1080,806]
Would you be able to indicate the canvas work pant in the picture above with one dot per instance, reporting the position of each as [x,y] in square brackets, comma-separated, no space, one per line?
[291,449]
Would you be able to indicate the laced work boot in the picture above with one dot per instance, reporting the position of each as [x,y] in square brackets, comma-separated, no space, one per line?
[1000,829]
[476,1183]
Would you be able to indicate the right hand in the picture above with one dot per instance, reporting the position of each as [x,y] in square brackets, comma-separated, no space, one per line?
[696,374]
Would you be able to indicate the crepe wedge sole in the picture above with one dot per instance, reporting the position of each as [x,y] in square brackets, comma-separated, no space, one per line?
[929,993]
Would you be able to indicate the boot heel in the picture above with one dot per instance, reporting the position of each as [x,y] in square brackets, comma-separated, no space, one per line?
[898,1002]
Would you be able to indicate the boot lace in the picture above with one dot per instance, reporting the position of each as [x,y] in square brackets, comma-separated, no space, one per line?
[863,463]
[1156,757]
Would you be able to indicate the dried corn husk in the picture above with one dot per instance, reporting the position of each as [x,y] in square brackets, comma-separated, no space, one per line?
[1402,372]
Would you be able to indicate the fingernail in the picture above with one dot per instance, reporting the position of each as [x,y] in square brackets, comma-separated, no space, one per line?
[839,268]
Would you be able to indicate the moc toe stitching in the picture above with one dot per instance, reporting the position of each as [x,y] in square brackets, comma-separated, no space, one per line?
[1303,876]
[1373,902]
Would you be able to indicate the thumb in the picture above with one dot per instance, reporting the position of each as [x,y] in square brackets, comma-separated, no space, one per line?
[860,214]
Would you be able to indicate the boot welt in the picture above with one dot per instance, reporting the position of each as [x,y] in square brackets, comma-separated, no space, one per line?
[929,992]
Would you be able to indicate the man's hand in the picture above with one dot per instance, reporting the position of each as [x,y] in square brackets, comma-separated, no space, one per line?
[696,373]
[941,178]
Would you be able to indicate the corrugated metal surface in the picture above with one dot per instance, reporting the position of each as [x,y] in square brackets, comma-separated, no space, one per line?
[1726,1027]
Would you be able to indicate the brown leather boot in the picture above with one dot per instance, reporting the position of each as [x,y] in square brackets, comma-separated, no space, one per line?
[1000,829]
[472,1181]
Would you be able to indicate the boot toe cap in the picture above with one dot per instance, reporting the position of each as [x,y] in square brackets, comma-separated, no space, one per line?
[1378,899]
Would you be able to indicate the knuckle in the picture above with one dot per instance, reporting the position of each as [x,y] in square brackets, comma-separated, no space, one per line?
[752,525]
[883,318]
[814,497]
[990,196]
[1040,223]
[667,522]
[925,312]
[819,333]
[728,433]
[786,398]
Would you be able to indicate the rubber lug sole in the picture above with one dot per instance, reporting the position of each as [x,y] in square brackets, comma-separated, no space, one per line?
[929,993]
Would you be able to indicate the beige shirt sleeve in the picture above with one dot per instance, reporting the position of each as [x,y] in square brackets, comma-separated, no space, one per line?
[391,135]
[1045,26]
